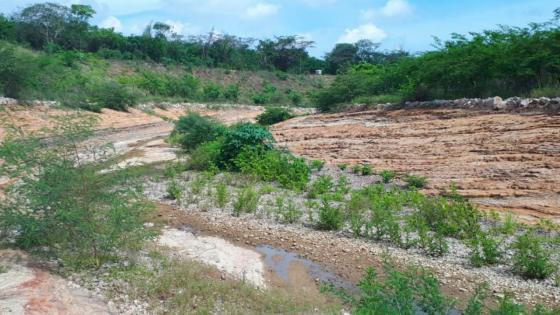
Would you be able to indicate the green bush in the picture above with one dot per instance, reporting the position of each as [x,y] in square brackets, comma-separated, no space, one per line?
[15,72]
[366,170]
[296,98]
[231,92]
[261,99]
[273,165]
[330,217]
[206,156]
[357,169]
[112,95]
[193,130]
[387,175]
[247,201]
[414,181]
[402,293]
[212,92]
[222,194]
[384,220]
[485,250]
[546,92]
[240,136]
[274,115]
[63,205]
[317,165]
[530,259]
[174,190]
[447,217]
[342,166]
[288,213]
[320,186]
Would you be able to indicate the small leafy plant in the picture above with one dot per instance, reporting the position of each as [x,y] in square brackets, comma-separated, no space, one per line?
[414,181]
[530,259]
[321,186]
[387,175]
[174,190]
[247,201]
[330,217]
[222,194]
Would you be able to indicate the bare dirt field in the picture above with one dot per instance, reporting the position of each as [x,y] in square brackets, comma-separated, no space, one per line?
[502,161]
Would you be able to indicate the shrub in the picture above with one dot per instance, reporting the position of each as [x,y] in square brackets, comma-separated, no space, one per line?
[212,92]
[356,209]
[174,190]
[274,115]
[530,259]
[15,72]
[330,217]
[384,207]
[387,175]
[416,181]
[410,292]
[193,130]
[342,185]
[247,201]
[320,186]
[231,93]
[546,92]
[222,194]
[449,218]
[317,165]
[241,136]
[112,95]
[63,205]
[273,165]
[366,170]
[342,166]
[261,99]
[296,98]
[485,250]
[206,156]
[288,213]
[357,169]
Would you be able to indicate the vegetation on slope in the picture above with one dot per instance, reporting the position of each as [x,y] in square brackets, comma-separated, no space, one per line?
[509,61]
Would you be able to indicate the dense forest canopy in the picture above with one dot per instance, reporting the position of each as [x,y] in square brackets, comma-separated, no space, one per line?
[53,27]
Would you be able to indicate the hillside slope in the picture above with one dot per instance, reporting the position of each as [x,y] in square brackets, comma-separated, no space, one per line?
[504,161]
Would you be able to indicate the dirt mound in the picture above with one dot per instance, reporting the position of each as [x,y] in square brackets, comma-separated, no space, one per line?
[504,161]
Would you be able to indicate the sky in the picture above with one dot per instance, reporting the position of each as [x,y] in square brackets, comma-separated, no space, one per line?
[396,24]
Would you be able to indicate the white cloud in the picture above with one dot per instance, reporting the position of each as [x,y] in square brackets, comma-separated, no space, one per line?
[365,31]
[391,9]
[112,22]
[261,10]
[395,8]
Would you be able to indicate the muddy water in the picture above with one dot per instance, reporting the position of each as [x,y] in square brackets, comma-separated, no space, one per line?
[281,263]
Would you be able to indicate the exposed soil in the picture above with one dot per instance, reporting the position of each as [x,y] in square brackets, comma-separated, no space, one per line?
[348,258]
[27,289]
[502,161]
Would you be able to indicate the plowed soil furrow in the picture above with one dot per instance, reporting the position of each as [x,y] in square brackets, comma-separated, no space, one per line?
[503,161]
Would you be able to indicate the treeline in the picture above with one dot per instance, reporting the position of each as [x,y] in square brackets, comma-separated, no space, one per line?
[509,61]
[53,28]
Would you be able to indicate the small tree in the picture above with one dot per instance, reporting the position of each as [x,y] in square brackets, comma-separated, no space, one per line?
[61,204]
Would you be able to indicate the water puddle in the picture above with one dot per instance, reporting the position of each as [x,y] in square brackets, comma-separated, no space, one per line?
[280,262]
